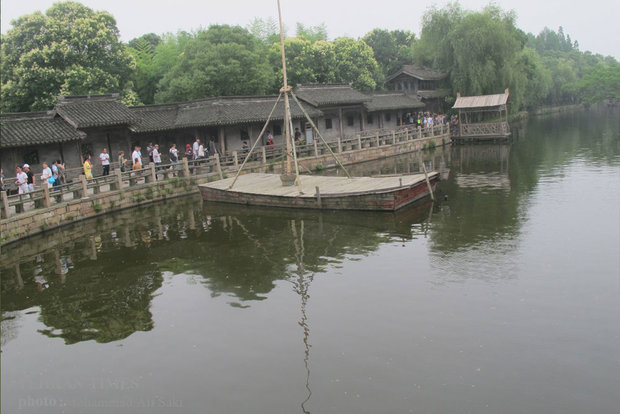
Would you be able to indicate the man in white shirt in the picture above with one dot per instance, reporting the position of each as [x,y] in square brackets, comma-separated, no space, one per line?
[104,157]
[196,146]
[46,173]
[136,158]
[21,180]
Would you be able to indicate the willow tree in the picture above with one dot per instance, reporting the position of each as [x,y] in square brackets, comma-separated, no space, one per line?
[69,50]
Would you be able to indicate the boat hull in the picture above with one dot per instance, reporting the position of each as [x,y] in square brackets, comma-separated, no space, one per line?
[390,198]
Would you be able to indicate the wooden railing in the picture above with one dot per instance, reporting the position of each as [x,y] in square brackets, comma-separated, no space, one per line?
[77,186]
[485,129]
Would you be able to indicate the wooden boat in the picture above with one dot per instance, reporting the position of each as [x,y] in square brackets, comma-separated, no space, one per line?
[323,192]
[316,192]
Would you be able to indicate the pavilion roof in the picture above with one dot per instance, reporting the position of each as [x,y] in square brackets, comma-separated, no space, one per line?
[481,101]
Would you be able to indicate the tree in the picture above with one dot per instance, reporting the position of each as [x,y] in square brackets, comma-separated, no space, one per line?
[599,83]
[221,61]
[312,33]
[355,63]
[392,49]
[69,50]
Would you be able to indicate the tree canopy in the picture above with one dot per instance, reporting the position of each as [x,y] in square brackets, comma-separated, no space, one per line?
[72,50]
[69,50]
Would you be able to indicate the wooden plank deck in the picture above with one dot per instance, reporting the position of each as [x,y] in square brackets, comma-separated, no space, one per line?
[270,185]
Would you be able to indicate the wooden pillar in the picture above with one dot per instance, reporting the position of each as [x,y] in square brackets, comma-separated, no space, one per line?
[339,144]
[359,141]
[222,138]
[250,132]
[46,194]
[185,168]
[377,138]
[153,173]
[5,205]
[362,120]
[316,148]
[219,167]
[264,155]
[84,187]
[119,179]
[340,121]
[235,159]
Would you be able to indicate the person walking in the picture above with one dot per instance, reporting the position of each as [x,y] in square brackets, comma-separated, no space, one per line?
[46,174]
[88,168]
[21,180]
[196,148]
[122,161]
[104,157]
[30,175]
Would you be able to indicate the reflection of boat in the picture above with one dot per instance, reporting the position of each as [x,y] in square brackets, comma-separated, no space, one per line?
[330,193]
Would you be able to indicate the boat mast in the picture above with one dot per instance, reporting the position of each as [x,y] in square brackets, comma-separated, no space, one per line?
[285,90]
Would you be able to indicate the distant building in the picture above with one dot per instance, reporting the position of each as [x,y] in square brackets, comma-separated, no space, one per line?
[426,84]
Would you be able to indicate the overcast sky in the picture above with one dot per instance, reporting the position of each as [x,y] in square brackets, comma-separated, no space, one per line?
[594,23]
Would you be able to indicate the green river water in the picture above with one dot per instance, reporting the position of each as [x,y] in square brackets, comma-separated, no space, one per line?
[501,297]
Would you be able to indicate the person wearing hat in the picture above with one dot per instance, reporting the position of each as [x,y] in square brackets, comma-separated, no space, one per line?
[30,176]
[188,152]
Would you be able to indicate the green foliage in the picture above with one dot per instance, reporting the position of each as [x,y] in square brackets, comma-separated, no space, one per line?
[220,61]
[312,33]
[69,50]
[599,83]
[266,30]
[392,49]
[319,167]
[484,53]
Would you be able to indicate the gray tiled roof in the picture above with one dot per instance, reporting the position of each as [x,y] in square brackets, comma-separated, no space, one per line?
[330,94]
[154,117]
[93,111]
[381,101]
[213,112]
[434,93]
[420,72]
[35,128]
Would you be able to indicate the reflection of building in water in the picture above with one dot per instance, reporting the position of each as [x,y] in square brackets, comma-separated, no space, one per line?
[481,166]
[231,250]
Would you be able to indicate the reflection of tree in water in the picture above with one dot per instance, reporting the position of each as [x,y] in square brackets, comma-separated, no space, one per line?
[100,276]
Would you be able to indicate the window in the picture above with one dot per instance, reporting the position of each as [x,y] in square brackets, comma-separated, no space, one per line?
[277,129]
[328,123]
[388,117]
[31,157]
[350,120]
[369,119]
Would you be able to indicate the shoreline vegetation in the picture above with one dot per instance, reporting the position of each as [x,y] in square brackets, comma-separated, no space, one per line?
[38,63]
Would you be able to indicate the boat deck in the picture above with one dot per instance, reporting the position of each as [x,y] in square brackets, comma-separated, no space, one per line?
[270,185]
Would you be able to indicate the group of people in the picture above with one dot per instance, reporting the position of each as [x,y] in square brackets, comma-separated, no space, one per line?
[192,152]
[427,119]
[25,178]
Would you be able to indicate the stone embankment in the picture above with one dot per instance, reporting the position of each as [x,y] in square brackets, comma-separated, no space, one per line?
[49,208]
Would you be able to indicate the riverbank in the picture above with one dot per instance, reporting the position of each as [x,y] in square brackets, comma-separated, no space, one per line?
[98,200]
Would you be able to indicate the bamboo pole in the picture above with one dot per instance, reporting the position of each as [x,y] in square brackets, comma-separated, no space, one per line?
[285,90]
